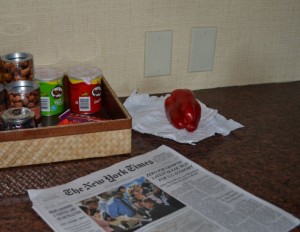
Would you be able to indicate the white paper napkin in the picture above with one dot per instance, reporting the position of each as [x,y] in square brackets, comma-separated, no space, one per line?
[148,116]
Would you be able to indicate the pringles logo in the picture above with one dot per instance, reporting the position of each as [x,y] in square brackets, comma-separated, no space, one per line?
[57,92]
[96,92]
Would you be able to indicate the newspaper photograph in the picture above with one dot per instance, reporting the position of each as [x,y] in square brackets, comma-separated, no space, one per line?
[158,191]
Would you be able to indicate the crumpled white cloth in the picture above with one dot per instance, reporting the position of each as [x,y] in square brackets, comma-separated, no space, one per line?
[148,116]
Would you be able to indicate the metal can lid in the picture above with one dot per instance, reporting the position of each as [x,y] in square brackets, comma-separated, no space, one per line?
[17,116]
[84,72]
[17,56]
[45,73]
[22,86]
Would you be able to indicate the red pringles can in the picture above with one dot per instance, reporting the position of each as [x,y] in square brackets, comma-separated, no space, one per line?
[85,89]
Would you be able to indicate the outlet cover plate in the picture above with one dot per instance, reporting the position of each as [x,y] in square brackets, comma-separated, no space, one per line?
[202,50]
[158,53]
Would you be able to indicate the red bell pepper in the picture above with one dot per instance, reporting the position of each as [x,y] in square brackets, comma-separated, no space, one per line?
[183,110]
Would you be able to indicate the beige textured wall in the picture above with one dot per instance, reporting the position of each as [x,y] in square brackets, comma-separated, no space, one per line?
[258,41]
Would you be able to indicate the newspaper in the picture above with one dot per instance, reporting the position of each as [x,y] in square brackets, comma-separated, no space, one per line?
[158,191]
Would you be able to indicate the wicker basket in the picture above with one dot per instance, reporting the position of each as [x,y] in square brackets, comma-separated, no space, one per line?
[70,142]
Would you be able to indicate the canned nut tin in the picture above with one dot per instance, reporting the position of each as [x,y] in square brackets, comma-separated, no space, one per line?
[17,66]
[2,98]
[18,118]
[24,94]
[0,70]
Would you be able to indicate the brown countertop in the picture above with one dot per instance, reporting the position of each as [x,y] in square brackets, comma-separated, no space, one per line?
[263,157]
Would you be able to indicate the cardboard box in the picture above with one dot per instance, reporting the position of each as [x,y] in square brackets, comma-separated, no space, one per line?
[70,142]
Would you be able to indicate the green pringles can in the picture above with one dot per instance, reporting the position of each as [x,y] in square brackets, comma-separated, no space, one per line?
[52,92]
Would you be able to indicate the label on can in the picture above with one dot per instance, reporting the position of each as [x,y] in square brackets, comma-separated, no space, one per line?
[51,87]
[85,90]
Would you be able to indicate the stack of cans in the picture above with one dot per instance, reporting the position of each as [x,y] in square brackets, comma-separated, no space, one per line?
[18,91]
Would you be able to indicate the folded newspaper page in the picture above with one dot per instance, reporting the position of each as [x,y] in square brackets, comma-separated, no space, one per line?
[158,191]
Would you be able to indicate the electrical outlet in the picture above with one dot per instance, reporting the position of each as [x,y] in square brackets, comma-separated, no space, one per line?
[158,52]
[202,49]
